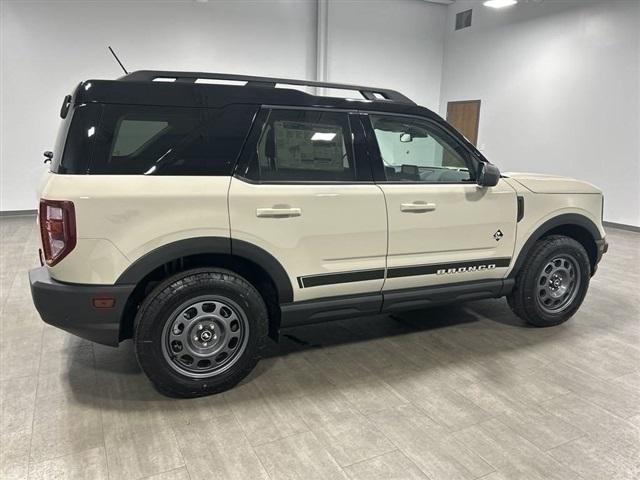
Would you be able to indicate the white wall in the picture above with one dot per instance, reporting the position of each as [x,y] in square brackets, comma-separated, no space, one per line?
[559,85]
[558,79]
[395,44]
[48,47]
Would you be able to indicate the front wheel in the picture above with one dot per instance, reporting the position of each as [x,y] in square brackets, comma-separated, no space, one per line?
[200,332]
[552,283]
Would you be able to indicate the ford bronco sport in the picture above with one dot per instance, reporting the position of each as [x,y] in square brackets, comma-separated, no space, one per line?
[199,217]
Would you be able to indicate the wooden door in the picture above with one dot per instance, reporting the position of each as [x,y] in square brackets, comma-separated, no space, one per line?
[464,116]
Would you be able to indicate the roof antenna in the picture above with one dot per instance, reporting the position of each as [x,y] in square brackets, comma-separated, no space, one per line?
[118,60]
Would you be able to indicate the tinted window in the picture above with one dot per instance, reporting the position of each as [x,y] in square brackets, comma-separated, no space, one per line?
[304,145]
[416,151]
[75,141]
[170,140]
[133,135]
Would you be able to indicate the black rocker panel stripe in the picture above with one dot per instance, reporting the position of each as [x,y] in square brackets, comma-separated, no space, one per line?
[435,268]
[396,272]
[342,277]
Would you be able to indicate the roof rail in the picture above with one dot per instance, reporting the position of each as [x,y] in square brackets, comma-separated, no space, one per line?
[369,93]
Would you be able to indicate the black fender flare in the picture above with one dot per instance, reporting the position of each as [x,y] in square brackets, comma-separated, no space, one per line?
[147,263]
[573,219]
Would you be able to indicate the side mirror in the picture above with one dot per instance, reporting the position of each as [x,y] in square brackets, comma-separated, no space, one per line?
[489,175]
[406,137]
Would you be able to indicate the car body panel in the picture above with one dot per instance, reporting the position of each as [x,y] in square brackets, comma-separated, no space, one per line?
[134,214]
[540,183]
[341,228]
[469,224]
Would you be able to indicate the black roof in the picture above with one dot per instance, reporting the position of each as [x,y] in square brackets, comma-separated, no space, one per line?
[180,89]
[369,93]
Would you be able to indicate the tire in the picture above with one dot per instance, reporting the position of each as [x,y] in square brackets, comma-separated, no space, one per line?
[213,317]
[552,282]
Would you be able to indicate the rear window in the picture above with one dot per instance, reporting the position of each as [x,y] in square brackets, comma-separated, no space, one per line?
[153,140]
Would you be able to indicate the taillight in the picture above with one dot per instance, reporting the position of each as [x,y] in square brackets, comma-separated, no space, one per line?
[57,229]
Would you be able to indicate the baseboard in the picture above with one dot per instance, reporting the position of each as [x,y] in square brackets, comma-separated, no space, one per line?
[622,226]
[17,213]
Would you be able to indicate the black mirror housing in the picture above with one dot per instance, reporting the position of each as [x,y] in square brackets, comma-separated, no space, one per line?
[488,175]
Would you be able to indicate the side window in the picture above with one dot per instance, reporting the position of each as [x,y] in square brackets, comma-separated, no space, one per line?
[152,140]
[76,139]
[133,135]
[415,151]
[304,145]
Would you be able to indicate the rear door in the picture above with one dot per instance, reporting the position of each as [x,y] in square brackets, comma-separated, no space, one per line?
[443,227]
[304,192]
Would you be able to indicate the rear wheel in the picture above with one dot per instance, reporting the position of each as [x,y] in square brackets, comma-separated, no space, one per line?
[200,332]
[552,283]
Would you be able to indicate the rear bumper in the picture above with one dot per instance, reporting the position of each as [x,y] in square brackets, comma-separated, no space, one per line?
[70,306]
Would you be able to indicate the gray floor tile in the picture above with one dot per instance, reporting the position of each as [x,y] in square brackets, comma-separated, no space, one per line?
[264,414]
[353,440]
[444,405]
[488,396]
[178,474]
[390,466]
[89,464]
[429,445]
[14,455]
[596,460]
[299,457]
[63,425]
[508,452]
[218,449]
[142,453]
[17,404]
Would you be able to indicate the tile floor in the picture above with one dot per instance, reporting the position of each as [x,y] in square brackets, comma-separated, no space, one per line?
[458,392]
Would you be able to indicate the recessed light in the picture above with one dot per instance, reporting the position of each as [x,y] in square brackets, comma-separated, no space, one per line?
[323,136]
[499,3]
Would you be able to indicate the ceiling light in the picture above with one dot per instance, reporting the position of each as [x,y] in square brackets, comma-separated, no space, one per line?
[499,3]
[323,137]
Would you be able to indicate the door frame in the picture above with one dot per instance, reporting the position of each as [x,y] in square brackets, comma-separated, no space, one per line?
[479,102]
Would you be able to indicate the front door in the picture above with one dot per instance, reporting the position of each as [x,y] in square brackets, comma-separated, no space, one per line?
[304,193]
[443,228]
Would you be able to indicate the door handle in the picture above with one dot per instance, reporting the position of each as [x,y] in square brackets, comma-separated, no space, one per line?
[417,207]
[278,212]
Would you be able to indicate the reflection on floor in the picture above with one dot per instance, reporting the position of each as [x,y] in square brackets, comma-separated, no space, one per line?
[458,392]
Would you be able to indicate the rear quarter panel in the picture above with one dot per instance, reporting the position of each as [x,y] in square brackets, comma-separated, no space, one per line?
[119,218]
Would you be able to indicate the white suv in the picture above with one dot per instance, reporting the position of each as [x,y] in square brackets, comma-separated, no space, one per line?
[199,218]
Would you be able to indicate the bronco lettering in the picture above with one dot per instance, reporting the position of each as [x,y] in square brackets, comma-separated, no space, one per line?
[474,268]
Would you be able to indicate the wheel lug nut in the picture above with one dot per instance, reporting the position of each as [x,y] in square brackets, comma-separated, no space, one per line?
[200,327]
[205,344]
[195,337]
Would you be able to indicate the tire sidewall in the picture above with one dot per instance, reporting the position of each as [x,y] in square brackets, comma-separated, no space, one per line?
[157,310]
